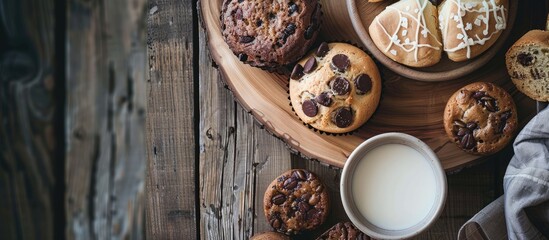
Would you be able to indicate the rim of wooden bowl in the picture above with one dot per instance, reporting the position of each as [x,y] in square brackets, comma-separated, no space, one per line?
[418,73]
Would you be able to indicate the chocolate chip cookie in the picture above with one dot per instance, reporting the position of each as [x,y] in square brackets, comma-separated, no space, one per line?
[336,88]
[296,201]
[270,34]
[343,231]
[481,118]
[270,236]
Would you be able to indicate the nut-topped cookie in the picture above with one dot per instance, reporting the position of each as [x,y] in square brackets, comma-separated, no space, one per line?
[296,201]
[343,231]
[336,88]
[270,34]
[481,118]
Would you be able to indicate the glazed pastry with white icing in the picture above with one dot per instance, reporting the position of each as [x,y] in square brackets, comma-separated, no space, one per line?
[470,27]
[406,32]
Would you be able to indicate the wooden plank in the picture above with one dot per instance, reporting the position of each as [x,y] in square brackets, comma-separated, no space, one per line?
[105,163]
[126,46]
[238,160]
[29,117]
[171,210]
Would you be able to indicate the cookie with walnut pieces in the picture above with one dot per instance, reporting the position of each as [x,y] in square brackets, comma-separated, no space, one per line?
[481,118]
[296,201]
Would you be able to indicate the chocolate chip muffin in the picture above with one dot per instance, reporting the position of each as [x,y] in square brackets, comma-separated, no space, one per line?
[481,118]
[336,88]
[296,201]
[343,231]
[270,34]
[270,236]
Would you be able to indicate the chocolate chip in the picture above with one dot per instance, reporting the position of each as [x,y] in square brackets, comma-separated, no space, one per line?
[272,16]
[324,99]
[275,223]
[525,59]
[435,2]
[340,86]
[322,50]
[503,121]
[468,141]
[290,183]
[310,65]
[290,29]
[259,22]
[478,95]
[343,117]
[292,8]
[299,174]
[238,14]
[278,199]
[313,214]
[297,73]
[340,62]
[506,115]
[490,105]
[309,32]
[242,57]
[471,125]
[303,207]
[246,39]
[486,98]
[462,131]
[309,108]
[363,83]
[459,123]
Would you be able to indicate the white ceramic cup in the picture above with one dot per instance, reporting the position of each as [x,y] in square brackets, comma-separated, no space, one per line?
[347,195]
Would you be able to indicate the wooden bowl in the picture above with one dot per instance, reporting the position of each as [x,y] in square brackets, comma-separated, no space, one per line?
[446,69]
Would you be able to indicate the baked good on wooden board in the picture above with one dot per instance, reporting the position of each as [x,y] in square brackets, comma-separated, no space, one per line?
[528,64]
[470,27]
[335,88]
[270,34]
[296,201]
[481,118]
[406,32]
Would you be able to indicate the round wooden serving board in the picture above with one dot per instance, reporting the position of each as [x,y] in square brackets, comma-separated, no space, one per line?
[362,14]
[406,105]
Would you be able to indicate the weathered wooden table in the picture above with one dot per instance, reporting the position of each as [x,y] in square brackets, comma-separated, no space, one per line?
[209,162]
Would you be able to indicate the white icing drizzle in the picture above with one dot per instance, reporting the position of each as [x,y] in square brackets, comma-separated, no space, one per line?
[483,17]
[410,45]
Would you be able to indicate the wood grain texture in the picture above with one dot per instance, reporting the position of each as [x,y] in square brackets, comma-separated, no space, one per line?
[28,120]
[171,189]
[238,160]
[407,106]
[362,14]
[105,154]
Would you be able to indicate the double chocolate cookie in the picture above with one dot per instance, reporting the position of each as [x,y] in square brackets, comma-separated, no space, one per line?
[343,231]
[336,88]
[481,118]
[270,34]
[296,201]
